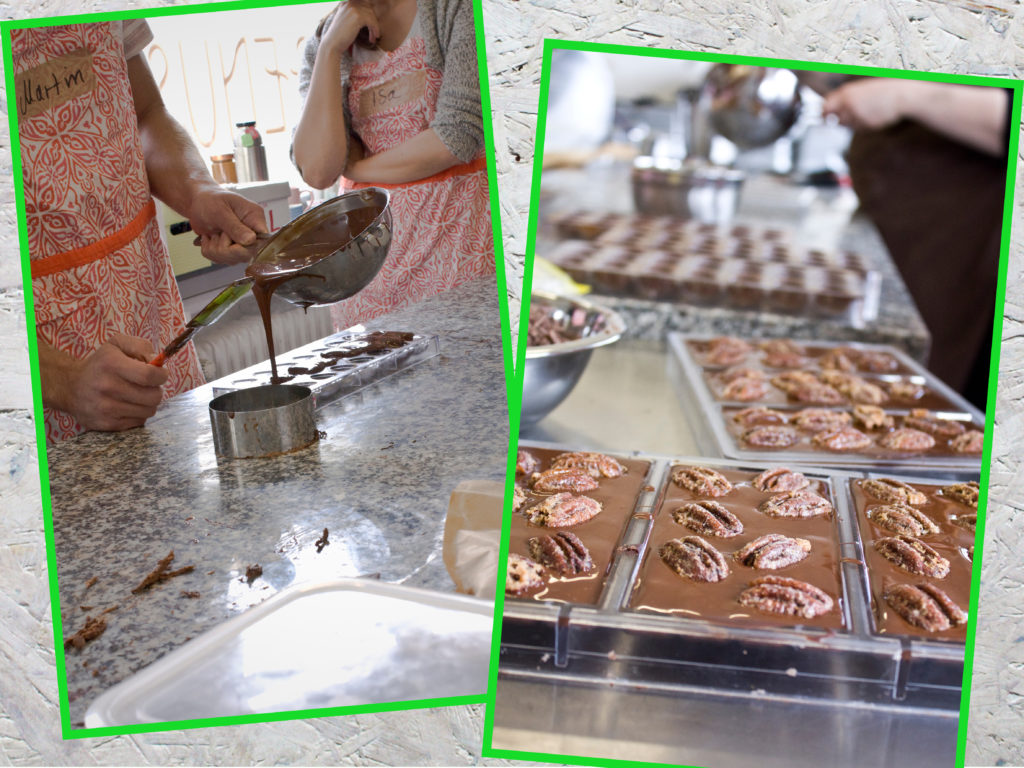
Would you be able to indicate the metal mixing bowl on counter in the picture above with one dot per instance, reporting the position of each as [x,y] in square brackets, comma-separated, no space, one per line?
[665,186]
[564,331]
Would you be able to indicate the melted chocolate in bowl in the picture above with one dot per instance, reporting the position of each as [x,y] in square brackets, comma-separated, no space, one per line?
[303,251]
[662,590]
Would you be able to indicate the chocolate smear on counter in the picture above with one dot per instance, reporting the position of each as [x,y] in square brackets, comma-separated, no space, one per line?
[322,542]
[94,627]
[253,572]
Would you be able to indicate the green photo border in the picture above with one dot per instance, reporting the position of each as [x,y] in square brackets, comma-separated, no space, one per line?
[67,731]
[551,45]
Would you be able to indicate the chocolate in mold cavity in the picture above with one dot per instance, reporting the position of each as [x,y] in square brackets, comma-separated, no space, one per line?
[951,542]
[659,589]
[601,533]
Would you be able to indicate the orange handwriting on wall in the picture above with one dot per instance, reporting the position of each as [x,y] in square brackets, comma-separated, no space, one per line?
[278,75]
[205,142]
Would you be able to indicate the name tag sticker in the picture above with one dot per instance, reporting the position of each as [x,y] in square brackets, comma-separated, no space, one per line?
[393,93]
[54,82]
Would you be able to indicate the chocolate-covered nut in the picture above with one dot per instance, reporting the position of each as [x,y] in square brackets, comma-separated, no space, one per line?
[703,481]
[770,436]
[563,553]
[925,606]
[891,490]
[693,557]
[795,504]
[965,493]
[842,439]
[709,518]
[522,575]
[790,597]
[902,518]
[906,439]
[773,551]
[913,556]
[562,510]
[779,480]
[597,465]
[563,479]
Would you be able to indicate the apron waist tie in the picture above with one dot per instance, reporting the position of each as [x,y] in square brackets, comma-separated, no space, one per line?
[77,257]
[479,164]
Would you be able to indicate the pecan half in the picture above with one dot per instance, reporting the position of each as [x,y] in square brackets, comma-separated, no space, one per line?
[562,553]
[745,390]
[791,597]
[526,464]
[820,419]
[839,359]
[854,387]
[770,436]
[563,510]
[876,362]
[902,518]
[556,479]
[790,381]
[773,551]
[842,439]
[795,504]
[779,480]
[694,558]
[965,493]
[913,556]
[971,441]
[967,522]
[782,353]
[709,518]
[759,416]
[743,373]
[905,389]
[597,465]
[888,489]
[871,417]
[727,350]
[925,606]
[924,420]
[906,439]
[518,498]
[817,393]
[703,481]
[522,575]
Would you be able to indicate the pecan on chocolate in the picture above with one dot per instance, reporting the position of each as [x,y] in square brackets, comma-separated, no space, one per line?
[727,350]
[967,522]
[888,489]
[790,597]
[745,390]
[842,439]
[694,558]
[965,493]
[913,556]
[759,416]
[562,510]
[790,381]
[779,480]
[555,480]
[782,353]
[971,441]
[906,439]
[876,362]
[854,387]
[902,518]
[817,393]
[526,464]
[925,606]
[905,389]
[703,481]
[741,372]
[773,551]
[924,420]
[518,498]
[871,417]
[522,575]
[562,553]
[709,518]
[770,436]
[839,359]
[795,504]
[597,465]
[819,419]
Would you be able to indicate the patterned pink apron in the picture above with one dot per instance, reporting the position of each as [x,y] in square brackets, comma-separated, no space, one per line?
[443,235]
[98,264]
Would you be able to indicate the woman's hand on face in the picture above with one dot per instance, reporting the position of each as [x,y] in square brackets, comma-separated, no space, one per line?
[349,19]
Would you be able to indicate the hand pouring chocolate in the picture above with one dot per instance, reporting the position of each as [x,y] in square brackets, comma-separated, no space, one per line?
[327,254]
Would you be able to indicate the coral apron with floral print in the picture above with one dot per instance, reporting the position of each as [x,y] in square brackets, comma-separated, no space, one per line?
[98,264]
[443,235]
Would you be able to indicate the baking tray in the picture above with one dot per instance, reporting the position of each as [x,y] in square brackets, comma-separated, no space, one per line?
[708,416]
[344,377]
[340,643]
[610,642]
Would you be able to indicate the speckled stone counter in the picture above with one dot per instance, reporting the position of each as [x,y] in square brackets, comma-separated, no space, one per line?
[823,221]
[380,482]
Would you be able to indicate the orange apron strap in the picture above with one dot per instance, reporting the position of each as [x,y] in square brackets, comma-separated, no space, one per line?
[95,251]
[479,164]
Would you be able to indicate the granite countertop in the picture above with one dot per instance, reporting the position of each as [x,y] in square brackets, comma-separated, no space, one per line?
[820,219]
[380,482]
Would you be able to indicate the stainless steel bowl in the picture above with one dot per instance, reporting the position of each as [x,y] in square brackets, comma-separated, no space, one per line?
[751,106]
[340,272]
[671,187]
[552,370]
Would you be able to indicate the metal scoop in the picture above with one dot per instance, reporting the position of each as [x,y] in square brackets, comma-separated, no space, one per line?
[345,241]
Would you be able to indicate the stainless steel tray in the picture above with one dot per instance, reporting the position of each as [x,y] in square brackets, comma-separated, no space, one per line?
[706,414]
[609,642]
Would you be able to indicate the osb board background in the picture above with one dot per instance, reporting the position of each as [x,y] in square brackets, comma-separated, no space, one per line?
[956,36]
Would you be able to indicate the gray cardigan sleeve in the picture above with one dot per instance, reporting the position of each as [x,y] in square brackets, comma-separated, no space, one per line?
[458,121]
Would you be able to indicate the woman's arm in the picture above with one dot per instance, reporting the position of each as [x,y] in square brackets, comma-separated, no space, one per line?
[421,156]
[320,144]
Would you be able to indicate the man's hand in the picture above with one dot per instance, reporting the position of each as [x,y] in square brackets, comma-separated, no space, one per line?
[870,103]
[112,389]
[226,223]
